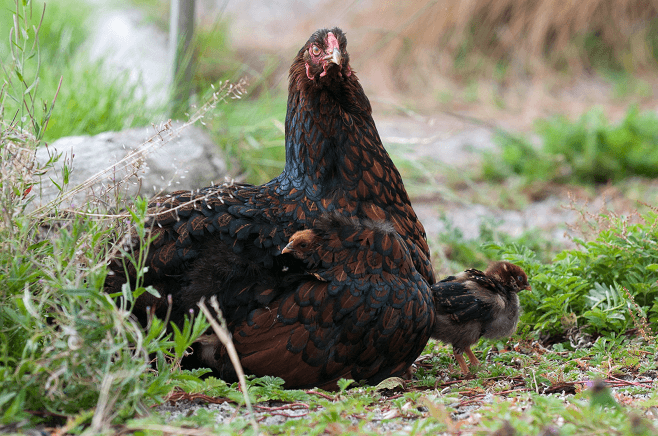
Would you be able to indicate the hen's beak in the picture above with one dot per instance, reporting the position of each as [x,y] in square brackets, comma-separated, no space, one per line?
[335,57]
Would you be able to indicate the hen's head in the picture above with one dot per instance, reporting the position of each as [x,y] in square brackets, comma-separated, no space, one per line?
[509,275]
[323,59]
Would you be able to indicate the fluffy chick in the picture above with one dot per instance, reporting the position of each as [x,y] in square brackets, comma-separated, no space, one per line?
[473,304]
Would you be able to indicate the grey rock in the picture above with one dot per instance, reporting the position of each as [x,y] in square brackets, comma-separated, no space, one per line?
[175,158]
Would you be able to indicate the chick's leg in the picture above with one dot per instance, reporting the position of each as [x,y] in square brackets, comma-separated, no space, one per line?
[471,357]
[462,363]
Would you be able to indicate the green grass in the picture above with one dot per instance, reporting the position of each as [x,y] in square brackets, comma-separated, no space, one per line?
[251,133]
[456,253]
[89,101]
[510,387]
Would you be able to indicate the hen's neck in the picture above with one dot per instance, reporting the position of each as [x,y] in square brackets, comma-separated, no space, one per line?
[333,149]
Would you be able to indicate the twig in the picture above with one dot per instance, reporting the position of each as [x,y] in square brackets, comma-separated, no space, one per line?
[631,383]
[225,337]
[170,429]
[178,394]
[321,394]
[290,406]
[481,396]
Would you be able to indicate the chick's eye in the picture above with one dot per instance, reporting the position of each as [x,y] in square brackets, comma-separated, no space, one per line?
[315,50]
[520,279]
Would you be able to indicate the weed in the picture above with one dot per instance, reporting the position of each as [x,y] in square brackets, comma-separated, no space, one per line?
[589,150]
[587,283]
[458,253]
[253,133]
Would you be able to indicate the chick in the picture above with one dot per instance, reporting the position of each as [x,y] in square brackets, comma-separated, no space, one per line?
[473,304]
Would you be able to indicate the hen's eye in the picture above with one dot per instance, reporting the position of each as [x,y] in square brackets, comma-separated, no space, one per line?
[303,245]
[520,279]
[315,50]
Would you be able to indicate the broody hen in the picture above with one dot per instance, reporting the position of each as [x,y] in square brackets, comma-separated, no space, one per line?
[366,296]
[473,304]
[226,240]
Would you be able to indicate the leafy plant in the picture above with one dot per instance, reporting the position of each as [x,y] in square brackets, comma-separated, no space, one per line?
[590,282]
[590,150]
[66,349]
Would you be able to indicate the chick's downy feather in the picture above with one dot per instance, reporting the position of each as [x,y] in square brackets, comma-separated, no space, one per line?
[473,304]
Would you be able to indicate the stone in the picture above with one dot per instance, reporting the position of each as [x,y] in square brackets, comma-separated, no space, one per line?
[151,161]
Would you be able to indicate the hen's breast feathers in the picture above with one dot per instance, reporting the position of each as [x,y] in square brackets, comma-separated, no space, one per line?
[340,164]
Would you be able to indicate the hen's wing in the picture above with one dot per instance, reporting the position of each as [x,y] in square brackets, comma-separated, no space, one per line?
[214,241]
[358,325]
[363,313]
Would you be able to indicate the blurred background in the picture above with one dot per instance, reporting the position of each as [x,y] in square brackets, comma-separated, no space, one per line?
[509,119]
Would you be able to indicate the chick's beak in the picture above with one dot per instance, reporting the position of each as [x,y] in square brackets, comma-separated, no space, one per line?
[287,248]
[528,288]
[335,57]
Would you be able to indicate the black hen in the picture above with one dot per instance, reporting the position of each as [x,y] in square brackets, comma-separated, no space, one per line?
[226,240]
[473,304]
[368,306]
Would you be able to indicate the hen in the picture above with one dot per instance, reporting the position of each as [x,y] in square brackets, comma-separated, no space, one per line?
[362,268]
[226,240]
[473,304]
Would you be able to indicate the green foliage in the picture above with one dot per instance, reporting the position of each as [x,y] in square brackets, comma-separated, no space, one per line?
[593,283]
[590,150]
[458,253]
[89,100]
[66,348]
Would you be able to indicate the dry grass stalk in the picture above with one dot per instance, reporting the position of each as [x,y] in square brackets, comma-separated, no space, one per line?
[533,36]
[219,327]
[130,165]
[640,323]
[590,224]
[17,169]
